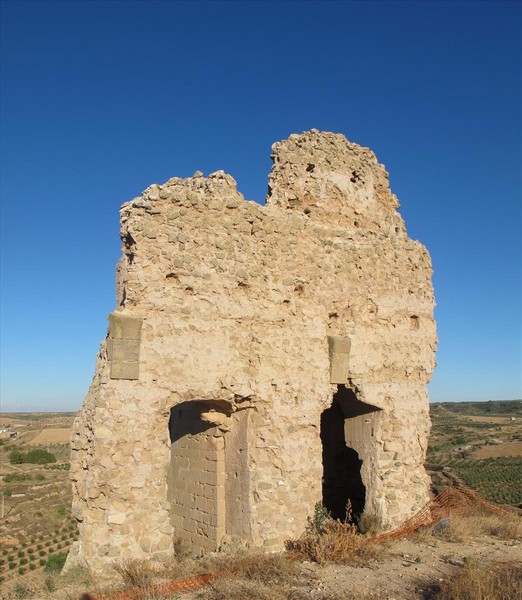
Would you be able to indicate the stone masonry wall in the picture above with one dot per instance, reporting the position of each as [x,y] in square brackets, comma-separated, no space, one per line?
[254,317]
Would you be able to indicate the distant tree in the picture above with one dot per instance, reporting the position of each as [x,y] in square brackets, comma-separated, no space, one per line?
[16,457]
[40,457]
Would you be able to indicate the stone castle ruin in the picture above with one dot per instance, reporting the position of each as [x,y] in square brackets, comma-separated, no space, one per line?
[260,359]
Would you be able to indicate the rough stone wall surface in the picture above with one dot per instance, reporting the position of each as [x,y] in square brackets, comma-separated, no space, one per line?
[232,307]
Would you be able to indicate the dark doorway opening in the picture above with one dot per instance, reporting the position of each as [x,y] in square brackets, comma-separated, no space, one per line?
[342,481]
[185,419]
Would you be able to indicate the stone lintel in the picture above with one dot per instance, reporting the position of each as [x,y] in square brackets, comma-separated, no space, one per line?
[339,351]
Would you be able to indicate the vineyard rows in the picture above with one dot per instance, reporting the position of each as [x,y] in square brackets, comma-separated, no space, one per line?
[42,551]
[497,479]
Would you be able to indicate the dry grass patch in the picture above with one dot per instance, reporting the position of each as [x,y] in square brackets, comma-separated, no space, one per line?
[248,574]
[137,573]
[252,575]
[369,524]
[256,566]
[50,586]
[239,589]
[477,581]
[465,527]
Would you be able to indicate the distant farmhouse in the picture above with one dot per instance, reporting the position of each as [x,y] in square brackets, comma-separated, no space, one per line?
[7,433]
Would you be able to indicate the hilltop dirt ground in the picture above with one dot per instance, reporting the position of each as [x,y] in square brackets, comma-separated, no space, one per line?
[409,569]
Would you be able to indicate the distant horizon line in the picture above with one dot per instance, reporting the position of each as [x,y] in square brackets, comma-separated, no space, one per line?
[72,412]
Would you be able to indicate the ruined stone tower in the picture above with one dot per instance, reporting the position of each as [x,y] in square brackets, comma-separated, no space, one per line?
[260,359]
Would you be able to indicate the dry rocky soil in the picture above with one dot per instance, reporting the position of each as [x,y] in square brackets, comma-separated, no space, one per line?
[408,569]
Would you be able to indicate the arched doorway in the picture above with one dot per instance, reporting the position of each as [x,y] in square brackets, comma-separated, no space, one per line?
[208,479]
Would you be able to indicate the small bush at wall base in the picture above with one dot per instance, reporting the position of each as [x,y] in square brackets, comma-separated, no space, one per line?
[135,573]
[369,524]
[327,540]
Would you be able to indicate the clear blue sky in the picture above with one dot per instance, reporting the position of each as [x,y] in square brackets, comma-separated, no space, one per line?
[101,99]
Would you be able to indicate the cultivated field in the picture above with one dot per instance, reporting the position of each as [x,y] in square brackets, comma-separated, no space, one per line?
[36,528]
[478,444]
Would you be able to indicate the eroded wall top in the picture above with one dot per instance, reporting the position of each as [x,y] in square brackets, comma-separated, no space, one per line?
[327,255]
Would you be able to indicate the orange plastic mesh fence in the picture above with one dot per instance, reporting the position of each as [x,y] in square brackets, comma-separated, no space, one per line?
[451,501]
[159,590]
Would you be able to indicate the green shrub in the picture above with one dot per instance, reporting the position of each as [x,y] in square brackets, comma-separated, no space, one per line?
[16,477]
[32,567]
[12,565]
[16,457]
[20,553]
[22,570]
[42,552]
[42,562]
[23,561]
[55,563]
[39,456]
[20,590]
